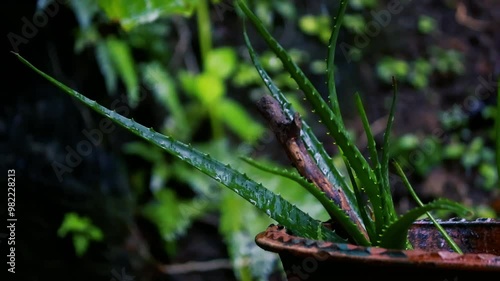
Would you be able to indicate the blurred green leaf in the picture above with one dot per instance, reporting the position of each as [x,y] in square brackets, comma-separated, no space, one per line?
[198,182]
[419,81]
[81,243]
[106,66]
[84,11]
[285,8]
[164,89]
[489,175]
[82,229]
[318,67]
[355,23]
[363,4]
[146,151]
[124,64]
[188,82]
[317,25]
[454,150]
[172,215]
[472,155]
[271,62]
[483,211]
[389,67]
[237,118]
[447,61]
[131,13]
[240,237]
[221,62]
[150,39]
[426,24]
[407,142]
[453,118]
[245,75]
[419,76]
[209,88]
[309,24]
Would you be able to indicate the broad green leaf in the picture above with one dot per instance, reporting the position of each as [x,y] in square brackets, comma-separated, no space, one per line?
[239,121]
[395,235]
[209,88]
[221,62]
[270,203]
[130,13]
[122,59]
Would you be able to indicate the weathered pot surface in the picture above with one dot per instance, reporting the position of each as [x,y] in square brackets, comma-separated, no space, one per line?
[306,259]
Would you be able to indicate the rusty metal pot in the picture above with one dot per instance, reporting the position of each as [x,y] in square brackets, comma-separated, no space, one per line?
[431,258]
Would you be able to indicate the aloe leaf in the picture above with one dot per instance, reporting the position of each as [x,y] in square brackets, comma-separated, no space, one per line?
[333,210]
[396,234]
[406,182]
[372,146]
[314,147]
[333,123]
[368,222]
[378,205]
[273,205]
[330,60]
[385,191]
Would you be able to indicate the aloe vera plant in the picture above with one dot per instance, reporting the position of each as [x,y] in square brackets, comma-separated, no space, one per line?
[361,205]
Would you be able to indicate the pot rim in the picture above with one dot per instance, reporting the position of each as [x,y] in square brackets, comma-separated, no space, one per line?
[276,239]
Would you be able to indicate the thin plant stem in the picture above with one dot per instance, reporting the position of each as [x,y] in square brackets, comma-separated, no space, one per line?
[446,237]
[204,30]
